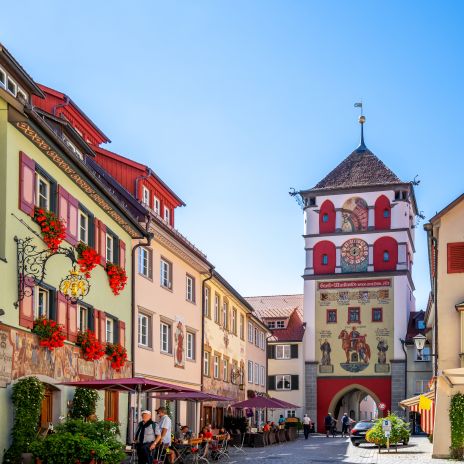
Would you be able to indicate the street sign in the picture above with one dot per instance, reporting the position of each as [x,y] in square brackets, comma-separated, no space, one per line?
[382,406]
[386,425]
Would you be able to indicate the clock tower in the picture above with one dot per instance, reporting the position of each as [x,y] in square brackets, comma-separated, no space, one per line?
[358,289]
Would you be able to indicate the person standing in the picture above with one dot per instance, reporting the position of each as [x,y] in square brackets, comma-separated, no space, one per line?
[164,438]
[306,426]
[345,425]
[145,437]
[328,423]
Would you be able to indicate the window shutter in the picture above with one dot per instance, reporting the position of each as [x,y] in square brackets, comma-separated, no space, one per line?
[91,232]
[116,331]
[52,310]
[96,235]
[294,351]
[96,323]
[455,257]
[63,206]
[295,382]
[72,322]
[150,263]
[26,308]
[271,351]
[102,326]
[122,253]
[122,333]
[26,184]
[102,243]
[271,382]
[72,224]
[62,312]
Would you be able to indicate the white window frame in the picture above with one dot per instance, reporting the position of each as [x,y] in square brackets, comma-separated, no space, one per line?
[206,363]
[256,336]
[216,366]
[233,322]
[2,81]
[46,198]
[283,352]
[256,374]
[144,326]
[109,330]
[280,324]
[206,302]
[15,85]
[216,308]
[271,325]
[145,196]
[156,205]
[82,318]
[242,326]
[283,377]
[190,346]
[190,288]
[109,248]
[83,230]
[250,332]
[144,262]
[167,214]
[225,315]
[262,375]
[165,338]
[225,370]
[250,371]
[42,295]
[165,273]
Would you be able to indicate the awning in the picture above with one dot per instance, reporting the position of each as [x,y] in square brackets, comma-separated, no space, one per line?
[427,415]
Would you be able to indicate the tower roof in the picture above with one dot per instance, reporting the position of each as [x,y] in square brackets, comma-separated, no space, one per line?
[360,169]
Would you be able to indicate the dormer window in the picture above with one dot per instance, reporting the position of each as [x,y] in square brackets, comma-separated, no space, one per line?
[2,78]
[167,215]
[145,196]
[156,205]
[11,86]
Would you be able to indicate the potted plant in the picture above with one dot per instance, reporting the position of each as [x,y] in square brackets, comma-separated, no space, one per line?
[49,332]
[52,227]
[117,355]
[92,349]
[117,277]
[399,433]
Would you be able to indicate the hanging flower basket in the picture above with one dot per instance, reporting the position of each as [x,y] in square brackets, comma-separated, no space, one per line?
[52,227]
[49,332]
[117,277]
[117,355]
[88,258]
[92,349]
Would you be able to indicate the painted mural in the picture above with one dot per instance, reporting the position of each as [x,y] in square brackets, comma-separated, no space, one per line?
[179,339]
[21,355]
[354,326]
[354,215]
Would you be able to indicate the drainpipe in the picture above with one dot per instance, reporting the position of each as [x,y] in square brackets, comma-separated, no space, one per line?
[60,105]
[203,320]
[403,345]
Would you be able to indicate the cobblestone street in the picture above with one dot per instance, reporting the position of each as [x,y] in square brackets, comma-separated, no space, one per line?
[321,450]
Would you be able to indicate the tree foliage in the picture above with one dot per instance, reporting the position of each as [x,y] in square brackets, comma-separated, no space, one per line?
[84,403]
[456,416]
[400,432]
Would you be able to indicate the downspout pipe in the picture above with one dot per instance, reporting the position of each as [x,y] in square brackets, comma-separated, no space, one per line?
[403,345]
[211,271]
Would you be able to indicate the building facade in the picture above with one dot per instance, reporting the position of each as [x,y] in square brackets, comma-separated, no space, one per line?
[445,315]
[41,176]
[358,289]
[283,316]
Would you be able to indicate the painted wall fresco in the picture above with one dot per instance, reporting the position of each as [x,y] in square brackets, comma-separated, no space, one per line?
[354,326]
[354,215]
[21,355]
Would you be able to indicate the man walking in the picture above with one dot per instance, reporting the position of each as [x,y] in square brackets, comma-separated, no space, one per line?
[306,426]
[164,438]
[345,425]
[328,423]
[145,437]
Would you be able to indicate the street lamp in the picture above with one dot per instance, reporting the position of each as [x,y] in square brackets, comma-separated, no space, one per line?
[419,341]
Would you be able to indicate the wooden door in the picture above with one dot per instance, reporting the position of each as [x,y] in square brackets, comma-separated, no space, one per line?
[219,417]
[112,406]
[207,415]
[46,411]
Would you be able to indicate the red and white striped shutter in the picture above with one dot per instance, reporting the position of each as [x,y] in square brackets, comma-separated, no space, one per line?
[102,244]
[72,229]
[63,206]
[72,322]
[26,310]
[122,254]
[62,312]
[122,333]
[27,180]
[102,326]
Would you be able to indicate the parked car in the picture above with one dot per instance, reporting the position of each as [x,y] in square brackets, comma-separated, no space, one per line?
[359,430]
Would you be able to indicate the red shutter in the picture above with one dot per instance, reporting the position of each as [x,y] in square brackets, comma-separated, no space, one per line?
[72,322]
[102,326]
[72,230]
[122,333]
[455,257]
[62,312]
[63,206]
[122,254]
[26,309]
[26,184]
[102,244]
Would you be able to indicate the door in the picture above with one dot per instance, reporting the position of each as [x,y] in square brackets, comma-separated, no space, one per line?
[219,417]
[112,406]
[207,415]
[46,411]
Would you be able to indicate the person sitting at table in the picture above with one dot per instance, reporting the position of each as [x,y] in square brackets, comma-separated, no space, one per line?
[223,431]
[182,434]
[206,433]
[145,436]
[267,427]
[281,420]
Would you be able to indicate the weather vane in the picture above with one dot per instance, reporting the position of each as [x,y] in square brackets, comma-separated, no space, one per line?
[362,120]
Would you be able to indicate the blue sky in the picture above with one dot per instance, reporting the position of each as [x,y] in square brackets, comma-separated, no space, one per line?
[232,103]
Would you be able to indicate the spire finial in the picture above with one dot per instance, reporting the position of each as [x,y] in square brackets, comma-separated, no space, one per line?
[362,120]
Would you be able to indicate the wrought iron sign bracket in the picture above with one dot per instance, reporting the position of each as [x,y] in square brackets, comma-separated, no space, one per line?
[32,264]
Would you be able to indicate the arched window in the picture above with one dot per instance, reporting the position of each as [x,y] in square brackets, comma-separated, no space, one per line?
[327,218]
[382,213]
[385,254]
[324,257]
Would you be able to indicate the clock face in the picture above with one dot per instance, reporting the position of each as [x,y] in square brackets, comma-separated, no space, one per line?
[355,251]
